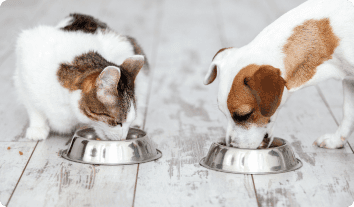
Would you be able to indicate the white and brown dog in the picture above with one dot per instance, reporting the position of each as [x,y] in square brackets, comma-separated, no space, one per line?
[308,44]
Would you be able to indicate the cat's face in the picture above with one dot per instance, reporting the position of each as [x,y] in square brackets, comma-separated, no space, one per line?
[108,99]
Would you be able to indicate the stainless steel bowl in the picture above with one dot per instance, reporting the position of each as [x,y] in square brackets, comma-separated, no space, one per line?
[86,147]
[278,158]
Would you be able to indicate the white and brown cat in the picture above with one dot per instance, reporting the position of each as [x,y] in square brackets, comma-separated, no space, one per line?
[80,72]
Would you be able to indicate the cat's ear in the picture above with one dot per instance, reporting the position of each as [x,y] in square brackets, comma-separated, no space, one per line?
[133,65]
[107,83]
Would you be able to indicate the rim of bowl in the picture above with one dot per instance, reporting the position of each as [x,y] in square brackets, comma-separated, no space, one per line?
[222,145]
[125,140]
[64,154]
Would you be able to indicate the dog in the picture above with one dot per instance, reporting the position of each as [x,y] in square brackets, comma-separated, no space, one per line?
[309,44]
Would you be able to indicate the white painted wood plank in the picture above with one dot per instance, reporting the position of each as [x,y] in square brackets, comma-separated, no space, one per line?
[183,118]
[16,15]
[332,91]
[13,159]
[50,180]
[327,181]
[72,184]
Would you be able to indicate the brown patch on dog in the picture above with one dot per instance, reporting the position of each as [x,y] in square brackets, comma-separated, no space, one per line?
[21,153]
[267,87]
[83,74]
[309,46]
[84,23]
[139,51]
[255,94]
[8,148]
[221,51]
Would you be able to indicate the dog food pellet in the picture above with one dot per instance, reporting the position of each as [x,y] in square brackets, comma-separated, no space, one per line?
[8,148]
[21,153]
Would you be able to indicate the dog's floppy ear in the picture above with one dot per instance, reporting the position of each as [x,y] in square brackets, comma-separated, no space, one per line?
[212,72]
[267,86]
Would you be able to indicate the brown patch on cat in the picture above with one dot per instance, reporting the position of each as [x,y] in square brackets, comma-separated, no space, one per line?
[72,75]
[221,51]
[84,23]
[311,44]
[255,94]
[139,51]
[82,73]
[89,82]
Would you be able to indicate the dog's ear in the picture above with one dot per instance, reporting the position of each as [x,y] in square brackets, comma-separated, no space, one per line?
[212,72]
[267,86]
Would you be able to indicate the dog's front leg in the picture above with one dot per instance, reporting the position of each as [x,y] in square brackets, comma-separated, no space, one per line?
[345,129]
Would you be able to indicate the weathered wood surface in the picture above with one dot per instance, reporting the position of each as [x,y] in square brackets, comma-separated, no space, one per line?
[183,118]
[12,163]
[49,180]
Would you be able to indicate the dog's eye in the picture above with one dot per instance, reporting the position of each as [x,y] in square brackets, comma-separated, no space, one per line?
[117,123]
[240,118]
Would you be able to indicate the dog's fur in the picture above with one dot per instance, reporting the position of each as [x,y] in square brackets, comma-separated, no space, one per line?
[309,44]
[80,72]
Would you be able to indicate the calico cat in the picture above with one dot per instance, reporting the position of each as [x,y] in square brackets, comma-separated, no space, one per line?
[80,72]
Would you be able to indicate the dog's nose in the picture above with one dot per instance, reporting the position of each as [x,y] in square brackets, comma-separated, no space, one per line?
[266,135]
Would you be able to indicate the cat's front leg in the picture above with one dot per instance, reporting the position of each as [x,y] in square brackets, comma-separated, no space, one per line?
[38,128]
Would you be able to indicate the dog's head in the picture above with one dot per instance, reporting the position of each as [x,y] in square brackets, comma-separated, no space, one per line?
[249,95]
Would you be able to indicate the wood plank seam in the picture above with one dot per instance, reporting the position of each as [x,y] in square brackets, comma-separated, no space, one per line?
[220,24]
[255,191]
[329,109]
[155,46]
[5,57]
[8,202]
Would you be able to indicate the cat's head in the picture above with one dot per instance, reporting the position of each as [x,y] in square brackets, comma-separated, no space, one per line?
[108,98]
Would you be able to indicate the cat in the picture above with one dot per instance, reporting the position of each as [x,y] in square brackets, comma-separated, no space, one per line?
[80,72]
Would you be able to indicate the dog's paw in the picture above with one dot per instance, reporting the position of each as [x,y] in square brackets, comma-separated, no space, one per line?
[37,133]
[330,141]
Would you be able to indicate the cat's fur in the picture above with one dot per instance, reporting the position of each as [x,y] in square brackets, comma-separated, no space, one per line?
[80,72]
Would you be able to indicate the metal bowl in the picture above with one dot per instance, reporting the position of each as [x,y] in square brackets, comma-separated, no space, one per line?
[278,158]
[86,147]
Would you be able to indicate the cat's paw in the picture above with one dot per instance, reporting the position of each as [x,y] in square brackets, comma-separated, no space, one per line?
[37,133]
[330,141]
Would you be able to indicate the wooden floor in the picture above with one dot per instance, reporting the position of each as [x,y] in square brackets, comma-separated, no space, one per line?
[180,38]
